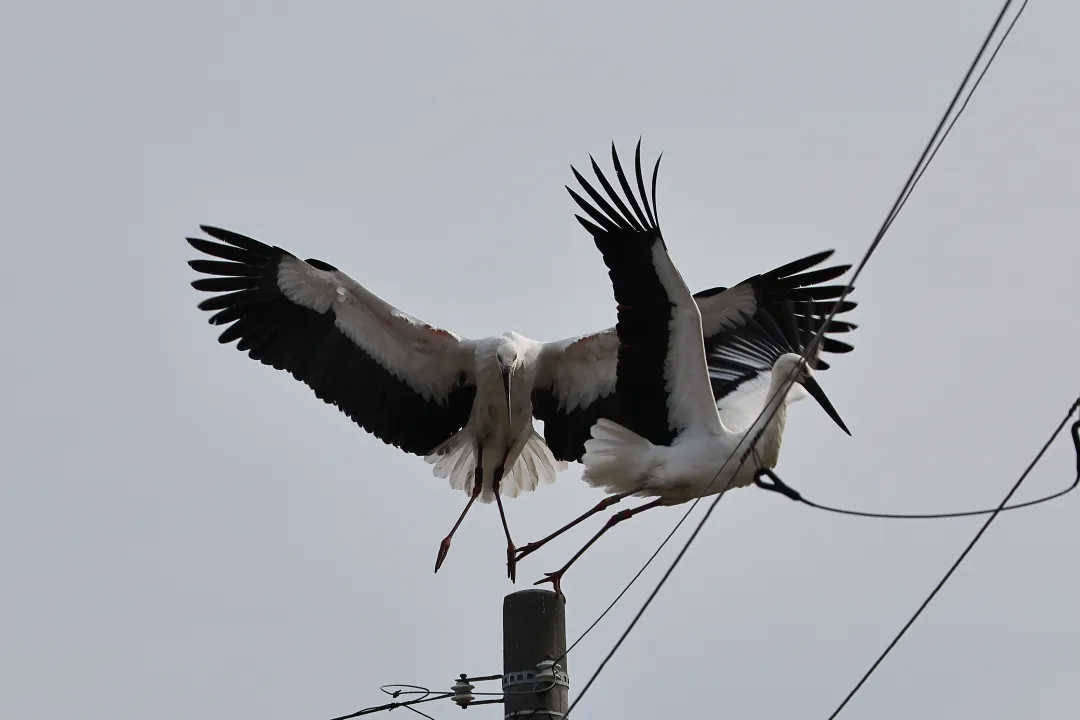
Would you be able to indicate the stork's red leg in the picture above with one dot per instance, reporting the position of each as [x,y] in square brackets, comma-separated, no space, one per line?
[600,506]
[511,551]
[555,578]
[478,484]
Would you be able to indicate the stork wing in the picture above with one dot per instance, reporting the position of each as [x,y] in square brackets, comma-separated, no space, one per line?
[749,326]
[662,380]
[409,384]
[575,382]
[577,377]
[741,359]
[575,387]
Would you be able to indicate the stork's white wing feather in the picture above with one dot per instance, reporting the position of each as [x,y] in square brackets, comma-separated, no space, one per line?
[579,370]
[690,400]
[429,359]
[574,387]
[726,310]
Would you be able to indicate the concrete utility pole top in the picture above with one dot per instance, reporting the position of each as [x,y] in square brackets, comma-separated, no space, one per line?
[534,631]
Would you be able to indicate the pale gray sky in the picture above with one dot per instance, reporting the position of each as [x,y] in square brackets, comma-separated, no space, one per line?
[186,533]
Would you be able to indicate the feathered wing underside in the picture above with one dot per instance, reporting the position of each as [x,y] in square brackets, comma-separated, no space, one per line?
[662,382]
[741,360]
[725,309]
[575,386]
[408,383]
[760,319]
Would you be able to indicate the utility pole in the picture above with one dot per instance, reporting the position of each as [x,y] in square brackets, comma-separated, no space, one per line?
[534,635]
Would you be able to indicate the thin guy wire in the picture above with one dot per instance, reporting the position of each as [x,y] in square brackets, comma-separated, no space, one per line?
[410,708]
[412,689]
[428,697]
[393,705]
[913,178]
[1016,486]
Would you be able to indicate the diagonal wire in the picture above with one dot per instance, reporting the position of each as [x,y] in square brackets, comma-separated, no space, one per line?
[418,712]
[916,174]
[395,705]
[1016,486]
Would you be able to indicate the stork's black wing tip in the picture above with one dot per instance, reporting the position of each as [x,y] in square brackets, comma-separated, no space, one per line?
[838,347]
[228,236]
[320,265]
[817,258]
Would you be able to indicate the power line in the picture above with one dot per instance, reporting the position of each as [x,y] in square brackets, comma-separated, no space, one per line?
[462,693]
[626,588]
[427,697]
[1016,486]
[916,174]
[779,486]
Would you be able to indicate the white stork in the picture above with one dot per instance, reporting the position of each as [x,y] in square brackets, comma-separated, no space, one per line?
[689,383]
[465,405]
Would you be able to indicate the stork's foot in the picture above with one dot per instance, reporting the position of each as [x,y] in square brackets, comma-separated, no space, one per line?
[555,578]
[524,552]
[511,563]
[444,548]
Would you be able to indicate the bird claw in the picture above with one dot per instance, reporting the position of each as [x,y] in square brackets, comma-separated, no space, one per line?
[511,563]
[444,548]
[521,553]
[555,578]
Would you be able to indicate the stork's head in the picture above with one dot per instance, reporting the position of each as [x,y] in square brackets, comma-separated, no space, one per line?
[509,358]
[510,352]
[793,366]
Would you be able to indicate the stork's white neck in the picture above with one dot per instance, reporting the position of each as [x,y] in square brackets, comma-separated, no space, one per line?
[771,421]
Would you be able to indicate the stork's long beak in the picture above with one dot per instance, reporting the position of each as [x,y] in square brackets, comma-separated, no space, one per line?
[818,394]
[506,386]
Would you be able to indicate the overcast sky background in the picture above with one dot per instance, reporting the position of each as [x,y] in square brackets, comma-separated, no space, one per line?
[187,533]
